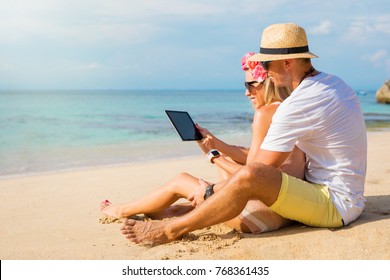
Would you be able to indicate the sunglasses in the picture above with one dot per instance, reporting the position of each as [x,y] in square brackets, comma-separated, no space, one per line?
[249,85]
[265,64]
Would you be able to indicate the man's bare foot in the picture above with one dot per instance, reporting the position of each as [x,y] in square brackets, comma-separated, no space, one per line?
[145,232]
[111,210]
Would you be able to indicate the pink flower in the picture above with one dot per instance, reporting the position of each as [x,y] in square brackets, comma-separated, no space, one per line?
[257,70]
[259,73]
[244,61]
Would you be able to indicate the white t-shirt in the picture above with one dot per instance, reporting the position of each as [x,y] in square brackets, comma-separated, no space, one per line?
[324,119]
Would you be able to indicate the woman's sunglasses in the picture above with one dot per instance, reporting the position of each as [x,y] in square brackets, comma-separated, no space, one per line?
[249,85]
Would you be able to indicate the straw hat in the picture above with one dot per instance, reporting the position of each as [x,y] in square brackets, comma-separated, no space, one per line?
[283,41]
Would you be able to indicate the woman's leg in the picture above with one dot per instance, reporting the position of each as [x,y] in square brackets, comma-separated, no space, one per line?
[257,218]
[223,174]
[180,187]
[174,210]
[238,225]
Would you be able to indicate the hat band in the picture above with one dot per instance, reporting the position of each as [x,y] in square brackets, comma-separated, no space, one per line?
[284,50]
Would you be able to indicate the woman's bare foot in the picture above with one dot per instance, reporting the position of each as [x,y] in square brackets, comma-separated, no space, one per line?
[171,211]
[111,210]
[145,232]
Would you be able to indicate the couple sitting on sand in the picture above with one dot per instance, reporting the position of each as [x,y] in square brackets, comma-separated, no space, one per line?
[306,162]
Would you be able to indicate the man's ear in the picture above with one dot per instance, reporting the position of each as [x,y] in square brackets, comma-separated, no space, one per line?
[287,63]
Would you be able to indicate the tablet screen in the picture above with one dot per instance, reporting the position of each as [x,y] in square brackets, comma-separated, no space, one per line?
[184,125]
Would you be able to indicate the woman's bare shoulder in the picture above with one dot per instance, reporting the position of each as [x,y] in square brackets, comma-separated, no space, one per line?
[266,110]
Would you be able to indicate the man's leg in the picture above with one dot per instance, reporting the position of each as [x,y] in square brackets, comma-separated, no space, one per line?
[255,181]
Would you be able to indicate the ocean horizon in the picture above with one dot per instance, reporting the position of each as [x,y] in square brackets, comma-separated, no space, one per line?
[53,130]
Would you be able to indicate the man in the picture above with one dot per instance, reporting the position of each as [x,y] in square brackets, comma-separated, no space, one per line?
[323,118]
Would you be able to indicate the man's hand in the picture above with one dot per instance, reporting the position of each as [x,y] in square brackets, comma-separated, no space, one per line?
[197,197]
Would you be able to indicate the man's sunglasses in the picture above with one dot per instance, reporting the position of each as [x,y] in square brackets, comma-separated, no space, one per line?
[249,85]
[265,64]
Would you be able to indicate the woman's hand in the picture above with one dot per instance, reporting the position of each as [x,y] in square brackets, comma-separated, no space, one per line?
[206,144]
[197,197]
[205,132]
[208,141]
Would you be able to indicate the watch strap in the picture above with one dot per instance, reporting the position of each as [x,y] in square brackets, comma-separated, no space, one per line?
[212,154]
[209,191]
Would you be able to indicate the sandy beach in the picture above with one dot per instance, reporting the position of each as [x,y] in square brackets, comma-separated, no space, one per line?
[56,217]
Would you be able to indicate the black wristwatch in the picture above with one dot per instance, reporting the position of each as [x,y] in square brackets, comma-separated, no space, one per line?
[209,191]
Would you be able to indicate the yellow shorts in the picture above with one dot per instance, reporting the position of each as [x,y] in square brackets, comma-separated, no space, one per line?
[306,203]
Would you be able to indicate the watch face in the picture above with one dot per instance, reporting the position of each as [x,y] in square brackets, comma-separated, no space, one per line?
[209,192]
[215,153]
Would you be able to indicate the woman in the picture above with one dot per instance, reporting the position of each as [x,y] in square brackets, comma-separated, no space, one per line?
[256,217]
[265,99]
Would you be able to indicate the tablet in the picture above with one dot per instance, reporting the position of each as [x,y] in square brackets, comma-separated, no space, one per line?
[184,125]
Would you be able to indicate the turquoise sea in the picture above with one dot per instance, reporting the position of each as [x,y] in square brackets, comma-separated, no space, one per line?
[42,131]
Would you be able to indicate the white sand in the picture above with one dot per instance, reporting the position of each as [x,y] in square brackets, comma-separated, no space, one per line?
[56,216]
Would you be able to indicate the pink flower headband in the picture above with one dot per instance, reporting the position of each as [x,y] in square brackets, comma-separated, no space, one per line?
[257,70]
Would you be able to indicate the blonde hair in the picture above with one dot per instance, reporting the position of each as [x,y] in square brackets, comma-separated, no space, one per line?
[272,93]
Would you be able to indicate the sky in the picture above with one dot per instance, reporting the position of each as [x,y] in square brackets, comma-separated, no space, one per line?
[180,44]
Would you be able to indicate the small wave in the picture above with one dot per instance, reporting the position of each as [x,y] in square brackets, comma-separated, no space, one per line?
[377,117]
